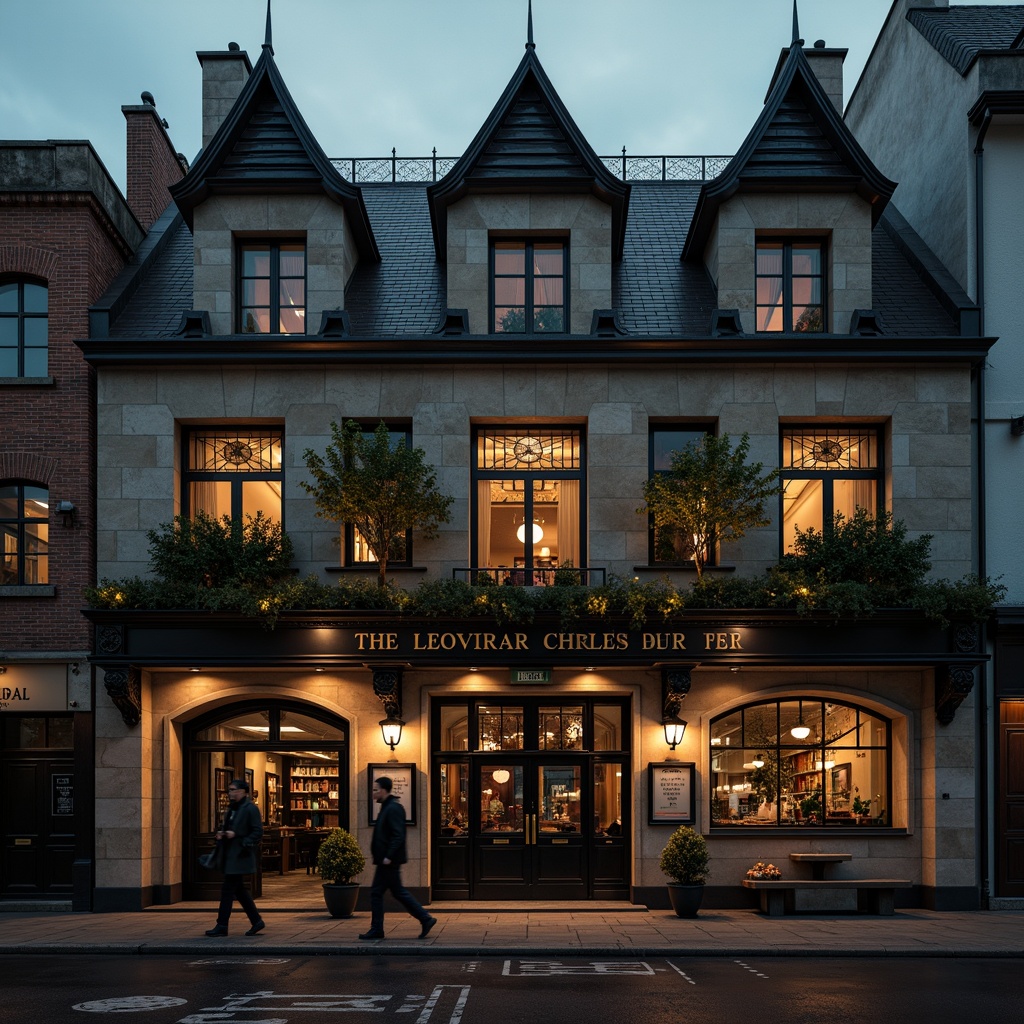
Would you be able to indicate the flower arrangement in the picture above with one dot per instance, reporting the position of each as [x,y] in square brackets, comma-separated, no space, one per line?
[766,871]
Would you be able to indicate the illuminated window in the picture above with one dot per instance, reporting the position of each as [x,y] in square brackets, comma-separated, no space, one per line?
[528,509]
[529,287]
[665,545]
[801,761]
[272,288]
[25,529]
[826,470]
[790,286]
[234,472]
[24,328]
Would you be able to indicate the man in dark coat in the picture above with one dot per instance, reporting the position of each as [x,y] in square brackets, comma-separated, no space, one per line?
[388,851]
[241,832]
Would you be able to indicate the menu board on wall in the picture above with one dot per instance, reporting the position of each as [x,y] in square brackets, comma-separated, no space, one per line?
[63,794]
[403,786]
[670,793]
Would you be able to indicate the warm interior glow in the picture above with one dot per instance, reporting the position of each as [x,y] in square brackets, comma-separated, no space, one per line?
[501,776]
[538,533]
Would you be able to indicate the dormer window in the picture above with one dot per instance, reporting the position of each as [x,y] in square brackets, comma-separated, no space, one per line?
[528,287]
[272,288]
[790,286]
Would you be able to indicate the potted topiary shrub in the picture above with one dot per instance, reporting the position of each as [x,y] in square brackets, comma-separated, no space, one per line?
[339,860]
[685,860]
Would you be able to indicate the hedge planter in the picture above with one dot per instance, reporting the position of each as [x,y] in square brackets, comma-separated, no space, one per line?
[341,899]
[685,899]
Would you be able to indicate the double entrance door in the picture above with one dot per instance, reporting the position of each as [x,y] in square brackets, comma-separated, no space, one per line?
[532,826]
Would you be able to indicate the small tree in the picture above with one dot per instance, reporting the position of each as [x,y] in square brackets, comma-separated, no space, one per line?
[710,495]
[382,489]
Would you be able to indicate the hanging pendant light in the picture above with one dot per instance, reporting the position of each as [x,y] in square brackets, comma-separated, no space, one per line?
[800,731]
[758,761]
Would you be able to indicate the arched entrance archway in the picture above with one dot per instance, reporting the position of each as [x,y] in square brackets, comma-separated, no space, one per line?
[295,758]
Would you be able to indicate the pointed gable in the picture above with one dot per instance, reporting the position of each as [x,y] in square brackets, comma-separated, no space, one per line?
[529,143]
[265,146]
[798,144]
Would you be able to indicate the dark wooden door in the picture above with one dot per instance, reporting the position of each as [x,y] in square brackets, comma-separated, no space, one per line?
[38,827]
[1010,782]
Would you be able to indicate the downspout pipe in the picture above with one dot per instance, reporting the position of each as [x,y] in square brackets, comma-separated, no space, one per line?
[983,706]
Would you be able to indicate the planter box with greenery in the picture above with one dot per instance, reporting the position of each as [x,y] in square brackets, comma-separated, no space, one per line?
[338,861]
[685,861]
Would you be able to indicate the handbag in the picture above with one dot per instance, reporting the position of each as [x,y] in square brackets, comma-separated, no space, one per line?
[213,860]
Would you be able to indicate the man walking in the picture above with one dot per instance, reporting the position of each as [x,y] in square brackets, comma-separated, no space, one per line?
[241,832]
[388,851]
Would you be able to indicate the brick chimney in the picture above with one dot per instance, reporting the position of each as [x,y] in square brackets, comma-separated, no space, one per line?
[153,163]
[224,74]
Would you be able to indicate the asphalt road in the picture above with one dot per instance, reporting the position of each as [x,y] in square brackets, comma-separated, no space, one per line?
[287,990]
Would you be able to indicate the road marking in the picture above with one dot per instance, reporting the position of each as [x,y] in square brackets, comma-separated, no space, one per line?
[128,1004]
[681,972]
[540,968]
[752,970]
[470,967]
[237,961]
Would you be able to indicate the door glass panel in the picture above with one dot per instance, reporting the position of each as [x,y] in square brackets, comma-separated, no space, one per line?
[608,727]
[608,799]
[501,798]
[500,727]
[454,725]
[454,799]
[560,728]
[559,798]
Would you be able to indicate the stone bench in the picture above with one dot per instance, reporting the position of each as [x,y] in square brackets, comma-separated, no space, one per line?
[874,895]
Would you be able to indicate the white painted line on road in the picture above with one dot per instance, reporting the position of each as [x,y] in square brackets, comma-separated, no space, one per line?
[681,972]
[541,968]
[236,961]
[128,1004]
[752,970]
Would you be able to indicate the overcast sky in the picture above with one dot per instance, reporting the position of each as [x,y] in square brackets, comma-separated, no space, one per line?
[655,76]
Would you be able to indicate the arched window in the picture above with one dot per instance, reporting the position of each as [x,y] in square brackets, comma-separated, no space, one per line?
[25,534]
[801,762]
[24,311]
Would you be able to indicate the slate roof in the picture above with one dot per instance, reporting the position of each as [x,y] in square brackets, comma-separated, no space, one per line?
[655,294]
[961,33]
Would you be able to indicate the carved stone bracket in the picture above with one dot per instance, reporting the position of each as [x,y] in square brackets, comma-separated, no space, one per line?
[387,688]
[966,637]
[675,685]
[953,684]
[109,639]
[124,687]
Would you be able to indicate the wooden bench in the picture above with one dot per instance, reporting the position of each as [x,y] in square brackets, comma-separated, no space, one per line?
[874,895]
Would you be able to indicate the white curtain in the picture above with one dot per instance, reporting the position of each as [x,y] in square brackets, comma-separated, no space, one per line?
[569,522]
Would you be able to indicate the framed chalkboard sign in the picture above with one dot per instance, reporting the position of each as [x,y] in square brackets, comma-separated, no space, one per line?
[403,786]
[671,798]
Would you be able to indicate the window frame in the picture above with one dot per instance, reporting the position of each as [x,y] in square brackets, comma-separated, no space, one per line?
[653,469]
[829,476]
[528,243]
[21,315]
[824,746]
[274,248]
[236,478]
[788,244]
[20,522]
[525,432]
[348,530]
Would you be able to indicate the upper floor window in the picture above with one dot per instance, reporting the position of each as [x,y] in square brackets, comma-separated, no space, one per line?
[25,529]
[528,512]
[790,286]
[529,289]
[826,470]
[666,545]
[24,326]
[357,550]
[234,472]
[272,288]
[800,761]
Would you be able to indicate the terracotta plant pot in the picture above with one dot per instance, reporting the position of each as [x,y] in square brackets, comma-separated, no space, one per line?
[341,899]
